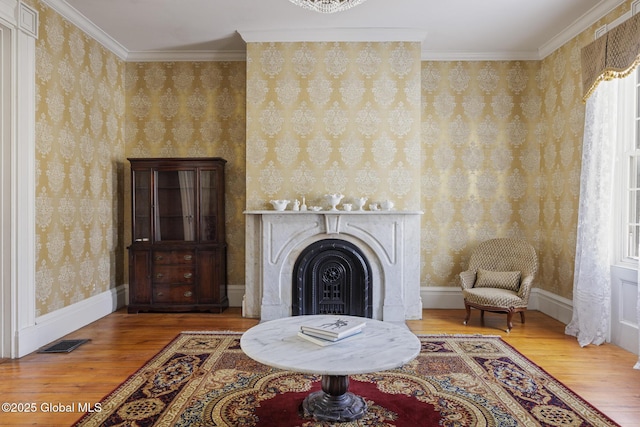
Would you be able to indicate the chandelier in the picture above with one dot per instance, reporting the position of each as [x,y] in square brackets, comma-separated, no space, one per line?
[327,6]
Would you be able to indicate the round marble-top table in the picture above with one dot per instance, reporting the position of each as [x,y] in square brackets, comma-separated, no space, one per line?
[380,346]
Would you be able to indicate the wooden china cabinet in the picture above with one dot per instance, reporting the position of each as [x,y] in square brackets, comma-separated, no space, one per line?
[177,260]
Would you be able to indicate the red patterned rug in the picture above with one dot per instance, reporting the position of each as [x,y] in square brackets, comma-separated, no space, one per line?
[204,379]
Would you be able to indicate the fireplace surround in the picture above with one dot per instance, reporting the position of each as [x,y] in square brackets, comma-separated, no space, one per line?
[389,240]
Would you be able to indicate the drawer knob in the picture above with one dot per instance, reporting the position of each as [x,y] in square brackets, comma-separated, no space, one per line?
[188,294]
[159,276]
[188,257]
[188,275]
[160,294]
[158,257]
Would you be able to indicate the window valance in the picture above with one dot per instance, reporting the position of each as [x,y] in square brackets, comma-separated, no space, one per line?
[613,55]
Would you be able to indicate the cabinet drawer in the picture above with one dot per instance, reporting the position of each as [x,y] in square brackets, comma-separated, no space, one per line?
[174,257]
[175,294]
[173,274]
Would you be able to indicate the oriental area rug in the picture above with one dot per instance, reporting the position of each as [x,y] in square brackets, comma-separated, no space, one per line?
[204,379]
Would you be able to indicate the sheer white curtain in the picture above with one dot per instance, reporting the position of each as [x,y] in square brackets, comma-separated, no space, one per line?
[612,56]
[592,275]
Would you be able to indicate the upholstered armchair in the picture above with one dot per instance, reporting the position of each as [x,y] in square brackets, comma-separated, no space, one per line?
[499,278]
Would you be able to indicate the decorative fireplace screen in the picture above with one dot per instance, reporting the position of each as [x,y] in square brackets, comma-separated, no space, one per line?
[332,276]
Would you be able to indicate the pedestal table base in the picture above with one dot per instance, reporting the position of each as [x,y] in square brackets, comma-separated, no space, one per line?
[334,403]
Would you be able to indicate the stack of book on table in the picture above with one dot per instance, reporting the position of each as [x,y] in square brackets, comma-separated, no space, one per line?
[331,330]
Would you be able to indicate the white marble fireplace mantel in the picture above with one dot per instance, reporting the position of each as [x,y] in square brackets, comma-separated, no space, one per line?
[390,240]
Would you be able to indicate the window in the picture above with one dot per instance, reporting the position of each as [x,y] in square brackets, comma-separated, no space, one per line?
[633,156]
[628,165]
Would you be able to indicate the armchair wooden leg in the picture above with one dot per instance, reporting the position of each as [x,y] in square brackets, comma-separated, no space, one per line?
[522,316]
[466,319]
[509,323]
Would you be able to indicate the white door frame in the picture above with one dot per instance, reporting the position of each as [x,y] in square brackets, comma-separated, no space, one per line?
[5,190]
[17,197]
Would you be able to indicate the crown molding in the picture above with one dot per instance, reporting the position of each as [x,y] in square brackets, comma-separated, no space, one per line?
[76,18]
[578,26]
[430,55]
[335,35]
[186,56]
[635,8]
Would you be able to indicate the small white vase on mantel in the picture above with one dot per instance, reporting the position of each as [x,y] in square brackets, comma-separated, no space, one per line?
[334,199]
[387,205]
[360,201]
[279,205]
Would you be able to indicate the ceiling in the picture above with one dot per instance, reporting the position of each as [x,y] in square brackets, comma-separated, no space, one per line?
[451,29]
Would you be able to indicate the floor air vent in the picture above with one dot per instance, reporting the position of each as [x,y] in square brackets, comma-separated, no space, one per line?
[64,346]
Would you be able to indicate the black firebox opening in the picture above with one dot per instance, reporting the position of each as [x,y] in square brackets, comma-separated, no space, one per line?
[332,276]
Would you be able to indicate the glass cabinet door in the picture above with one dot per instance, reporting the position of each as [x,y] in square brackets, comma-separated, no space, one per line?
[208,205]
[175,207]
[141,205]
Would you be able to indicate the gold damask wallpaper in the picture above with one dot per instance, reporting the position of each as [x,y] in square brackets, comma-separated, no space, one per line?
[561,131]
[80,106]
[333,118]
[192,109]
[561,125]
[480,160]
[484,148]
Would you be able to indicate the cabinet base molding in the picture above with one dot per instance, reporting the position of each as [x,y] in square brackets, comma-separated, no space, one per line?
[174,308]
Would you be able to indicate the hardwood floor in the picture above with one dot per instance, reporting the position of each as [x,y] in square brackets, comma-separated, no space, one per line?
[121,343]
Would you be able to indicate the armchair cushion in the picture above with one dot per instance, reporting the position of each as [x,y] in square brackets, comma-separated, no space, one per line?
[509,280]
[494,298]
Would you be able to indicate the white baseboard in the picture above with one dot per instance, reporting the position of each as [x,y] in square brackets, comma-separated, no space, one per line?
[443,297]
[552,305]
[59,323]
[235,293]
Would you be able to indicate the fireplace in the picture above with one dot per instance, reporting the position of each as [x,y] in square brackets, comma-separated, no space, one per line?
[389,241]
[332,276]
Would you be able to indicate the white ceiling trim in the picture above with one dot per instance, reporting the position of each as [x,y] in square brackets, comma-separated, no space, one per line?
[635,8]
[187,56]
[76,18]
[581,24]
[431,55]
[373,34]
[335,35]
